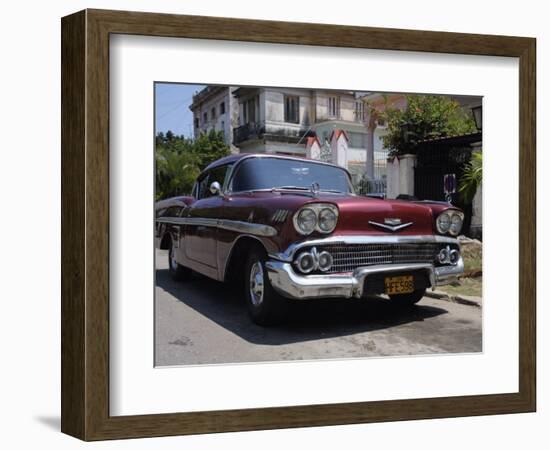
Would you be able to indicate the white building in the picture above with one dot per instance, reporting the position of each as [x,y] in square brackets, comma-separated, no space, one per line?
[215,108]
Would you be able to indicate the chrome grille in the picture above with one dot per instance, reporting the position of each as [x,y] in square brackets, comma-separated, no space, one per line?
[347,258]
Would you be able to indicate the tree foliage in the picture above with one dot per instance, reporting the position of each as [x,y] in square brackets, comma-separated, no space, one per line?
[209,147]
[472,177]
[179,160]
[425,117]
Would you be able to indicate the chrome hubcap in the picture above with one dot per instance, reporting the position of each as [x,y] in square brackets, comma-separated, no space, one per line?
[257,283]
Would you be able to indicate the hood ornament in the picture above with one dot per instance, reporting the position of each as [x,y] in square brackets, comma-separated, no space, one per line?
[315,188]
[391,224]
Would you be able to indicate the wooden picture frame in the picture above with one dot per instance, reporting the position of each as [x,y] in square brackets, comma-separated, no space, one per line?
[85,224]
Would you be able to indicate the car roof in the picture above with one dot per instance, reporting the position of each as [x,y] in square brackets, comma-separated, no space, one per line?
[226,160]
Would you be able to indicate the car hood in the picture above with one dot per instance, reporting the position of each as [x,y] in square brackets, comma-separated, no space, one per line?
[376,216]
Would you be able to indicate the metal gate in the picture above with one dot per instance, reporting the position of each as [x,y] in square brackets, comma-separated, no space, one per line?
[437,158]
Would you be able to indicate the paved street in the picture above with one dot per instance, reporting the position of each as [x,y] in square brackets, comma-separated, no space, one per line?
[205,322]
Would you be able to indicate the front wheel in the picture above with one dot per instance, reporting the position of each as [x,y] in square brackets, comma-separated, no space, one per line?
[265,306]
[177,271]
[408,300]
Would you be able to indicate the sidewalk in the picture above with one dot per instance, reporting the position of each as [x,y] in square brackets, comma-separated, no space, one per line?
[456,298]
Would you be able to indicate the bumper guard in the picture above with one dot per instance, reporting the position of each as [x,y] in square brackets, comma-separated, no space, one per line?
[288,283]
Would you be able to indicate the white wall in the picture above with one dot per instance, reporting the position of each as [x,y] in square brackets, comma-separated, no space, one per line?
[205,107]
[30,291]
[347,106]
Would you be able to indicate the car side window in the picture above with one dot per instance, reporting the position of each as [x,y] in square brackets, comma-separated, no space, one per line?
[202,186]
[218,174]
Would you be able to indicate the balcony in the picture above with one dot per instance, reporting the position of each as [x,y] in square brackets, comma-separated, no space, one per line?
[290,133]
[248,132]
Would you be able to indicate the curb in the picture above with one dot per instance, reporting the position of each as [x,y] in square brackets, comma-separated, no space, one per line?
[462,299]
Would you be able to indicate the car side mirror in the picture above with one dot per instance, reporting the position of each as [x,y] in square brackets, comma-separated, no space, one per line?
[215,188]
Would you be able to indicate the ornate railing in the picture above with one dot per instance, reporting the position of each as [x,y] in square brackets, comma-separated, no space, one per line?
[376,187]
[248,131]
[277,132]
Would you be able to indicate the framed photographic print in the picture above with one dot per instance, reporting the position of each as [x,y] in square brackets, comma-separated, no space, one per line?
[271,224]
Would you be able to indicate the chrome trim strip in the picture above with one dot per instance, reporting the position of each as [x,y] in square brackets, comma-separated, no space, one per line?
[200,221]
[170,220]
[238,226]
[288,254]
[280,215]
[246,227]
[391,227]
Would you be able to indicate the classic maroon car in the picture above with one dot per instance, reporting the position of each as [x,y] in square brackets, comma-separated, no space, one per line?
[290,228]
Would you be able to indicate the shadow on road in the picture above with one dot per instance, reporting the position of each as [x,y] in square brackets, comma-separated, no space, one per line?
[308,319]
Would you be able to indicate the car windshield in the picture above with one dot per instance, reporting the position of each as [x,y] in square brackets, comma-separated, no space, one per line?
[272,173]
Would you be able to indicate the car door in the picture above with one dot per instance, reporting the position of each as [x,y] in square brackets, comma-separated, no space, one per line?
[202,219]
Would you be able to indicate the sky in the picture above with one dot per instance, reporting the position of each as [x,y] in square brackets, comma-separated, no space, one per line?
[172,111]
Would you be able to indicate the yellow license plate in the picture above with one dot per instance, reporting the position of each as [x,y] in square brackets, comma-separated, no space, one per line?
[399,285]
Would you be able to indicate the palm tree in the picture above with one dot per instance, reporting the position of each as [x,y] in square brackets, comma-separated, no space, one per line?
[472,177]
[175,172]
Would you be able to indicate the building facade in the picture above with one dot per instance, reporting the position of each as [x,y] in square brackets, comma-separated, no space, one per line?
[215,108]
[279,120]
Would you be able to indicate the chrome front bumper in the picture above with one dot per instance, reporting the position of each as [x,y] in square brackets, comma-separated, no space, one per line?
[288,283]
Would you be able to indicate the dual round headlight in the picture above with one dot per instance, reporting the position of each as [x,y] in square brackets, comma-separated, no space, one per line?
[322,217]
[449,222]
[311,260]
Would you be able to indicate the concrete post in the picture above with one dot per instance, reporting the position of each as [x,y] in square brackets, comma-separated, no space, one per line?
[339,147]
[392,180]
[400,176]
[406,174]
[313,148]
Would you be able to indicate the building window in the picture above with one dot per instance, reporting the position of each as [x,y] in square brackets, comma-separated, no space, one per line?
[223,128]
[359,111]
[204,118]
[213,113]
[334,107]
[292,109]
[357,140]
[249,110]
[222,108]
[197,122]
